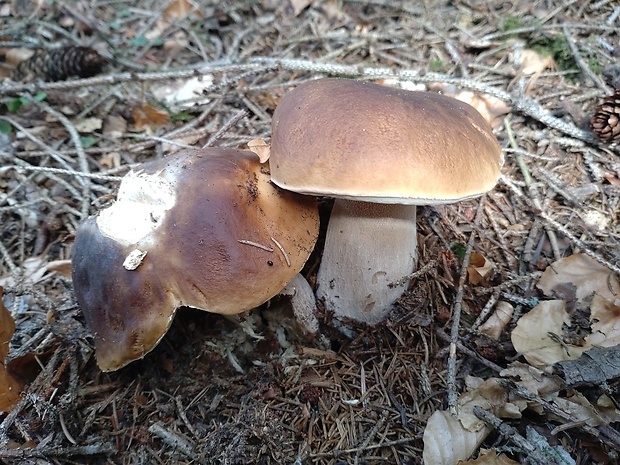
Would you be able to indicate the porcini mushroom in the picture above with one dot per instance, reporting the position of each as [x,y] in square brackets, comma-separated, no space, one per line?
[380,152]
[204,229]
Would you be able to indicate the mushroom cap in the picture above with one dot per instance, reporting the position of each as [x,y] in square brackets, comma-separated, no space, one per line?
[367,142]
[211,225]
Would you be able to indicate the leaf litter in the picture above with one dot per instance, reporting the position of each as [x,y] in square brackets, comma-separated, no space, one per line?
[226,397]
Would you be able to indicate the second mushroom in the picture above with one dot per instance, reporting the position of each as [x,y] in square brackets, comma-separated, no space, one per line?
[380,152]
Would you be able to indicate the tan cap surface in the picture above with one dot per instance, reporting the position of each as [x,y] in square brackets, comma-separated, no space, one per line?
[359,140]
[215,219]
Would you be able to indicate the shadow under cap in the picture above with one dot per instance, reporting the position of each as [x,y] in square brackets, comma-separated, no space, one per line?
[217,249]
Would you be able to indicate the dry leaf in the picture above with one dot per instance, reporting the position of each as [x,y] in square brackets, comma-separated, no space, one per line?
[146,116]
[110,160]
[479,270]
[9,387]
[176,43]
[177,10]
[180,9]
[260,148]
[605,319]
[269,100]
[491,108]
[586,274]
[538,334]
[114,126]
[184,93]
[490,457]
[88,125]
[35,269]
[15,56]
[61,267]
[532,379]
[532,336]
[333,11]
[180,143]
[489,395]
[497,322]
[299,6]
[532,62]
[446,442]
[579,407]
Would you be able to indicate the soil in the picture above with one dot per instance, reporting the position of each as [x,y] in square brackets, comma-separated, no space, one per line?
[211,392]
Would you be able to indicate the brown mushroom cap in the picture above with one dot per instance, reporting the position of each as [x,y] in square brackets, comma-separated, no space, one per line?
[363,141]
[217,234]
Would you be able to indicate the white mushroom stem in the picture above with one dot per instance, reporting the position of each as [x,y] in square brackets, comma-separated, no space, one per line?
[370,251]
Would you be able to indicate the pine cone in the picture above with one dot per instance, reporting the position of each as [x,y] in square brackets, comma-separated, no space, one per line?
[59,64]
[606,119]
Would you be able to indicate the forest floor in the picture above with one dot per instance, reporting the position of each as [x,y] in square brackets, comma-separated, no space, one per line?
[209,392]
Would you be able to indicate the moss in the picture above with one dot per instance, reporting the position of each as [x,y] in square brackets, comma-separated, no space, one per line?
[437,65]
[557,47]
[512,22]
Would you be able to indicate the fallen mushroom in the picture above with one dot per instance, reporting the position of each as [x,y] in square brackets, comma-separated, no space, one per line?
[204,229]
[380,152]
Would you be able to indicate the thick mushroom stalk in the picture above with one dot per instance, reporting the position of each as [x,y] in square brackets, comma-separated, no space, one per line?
[204,229]
[369,255]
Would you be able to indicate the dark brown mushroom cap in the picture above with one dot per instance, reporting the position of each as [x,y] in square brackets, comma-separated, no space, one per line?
[223,239]
[367,142]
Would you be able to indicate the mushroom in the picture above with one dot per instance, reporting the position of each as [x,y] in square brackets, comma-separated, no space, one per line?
[380,152]
[204,229]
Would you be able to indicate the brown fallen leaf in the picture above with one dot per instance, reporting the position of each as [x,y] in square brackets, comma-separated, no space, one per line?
[605,323]
[260,148]
[582,410]
[538,334]
[88,125]
[146,116]
[38,268]
[532,62]
[9,386]
[479,270]
[491,108]
[110,160]
[180,9]
[299,6]
[532,379]
[587,275]
[177,10]
[490,457]
[447,442]
[114,126]
[488,394]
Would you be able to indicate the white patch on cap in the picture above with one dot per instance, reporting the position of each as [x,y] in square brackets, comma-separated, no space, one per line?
[140,208]
[134,259]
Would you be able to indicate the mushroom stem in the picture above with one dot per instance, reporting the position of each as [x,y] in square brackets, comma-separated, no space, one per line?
[370,249]
[303,303]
